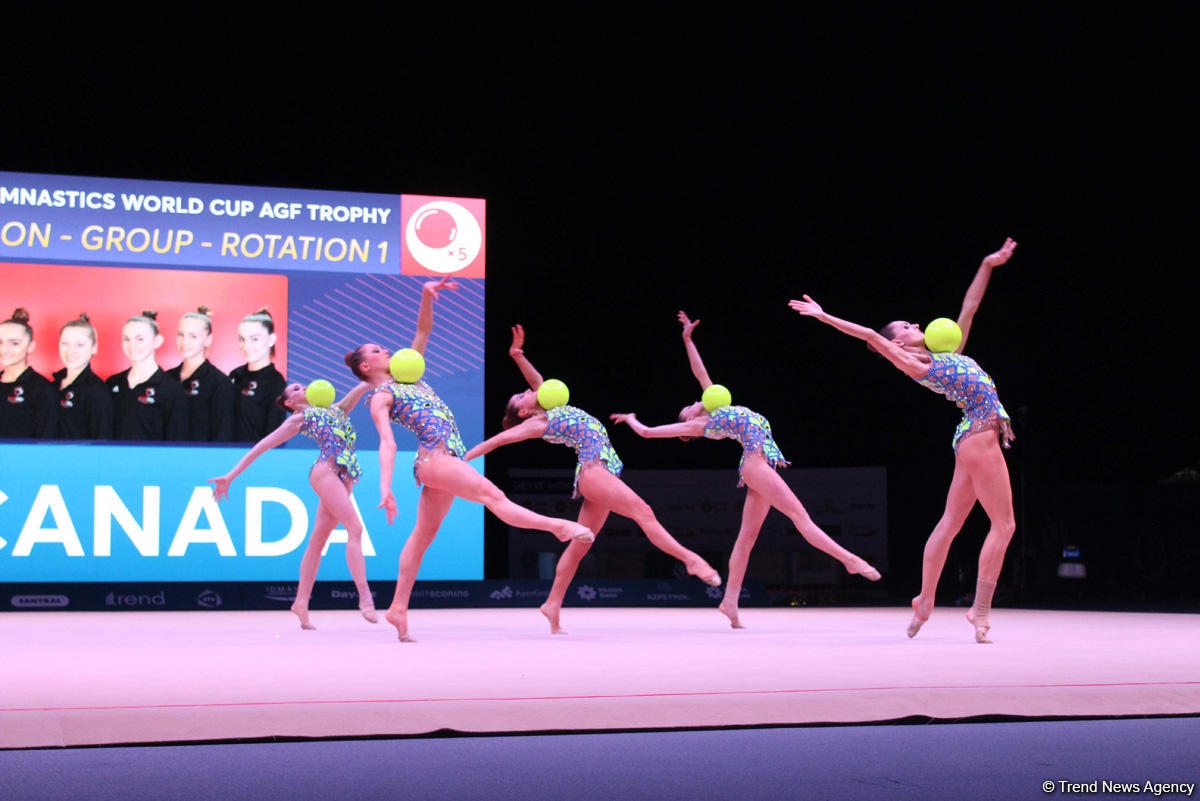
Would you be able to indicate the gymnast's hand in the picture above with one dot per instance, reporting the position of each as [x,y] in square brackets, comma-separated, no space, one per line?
[517,348]
[220,487]
[433,287]
[1002,255]
[688,325]
[629,419]
[388,504]
[807,307]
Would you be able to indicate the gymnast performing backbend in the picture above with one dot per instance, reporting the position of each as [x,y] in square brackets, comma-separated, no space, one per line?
[757,471]
[597,477]
[980,471]
[439,468]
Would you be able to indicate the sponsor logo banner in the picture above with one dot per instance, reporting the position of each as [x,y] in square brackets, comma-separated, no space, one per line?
[255,596]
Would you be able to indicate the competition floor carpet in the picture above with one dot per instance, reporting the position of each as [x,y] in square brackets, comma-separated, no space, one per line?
[122,678]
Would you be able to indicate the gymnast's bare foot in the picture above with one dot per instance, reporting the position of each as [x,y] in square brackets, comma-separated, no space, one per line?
[368,613]
[576,532]
[859,567]
[302,613]
[551,614]
[704,571]
[981,623]
[921,613]
[399,619]
[730,610]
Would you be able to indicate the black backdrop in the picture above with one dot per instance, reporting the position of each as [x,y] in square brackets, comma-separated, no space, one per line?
[723,164]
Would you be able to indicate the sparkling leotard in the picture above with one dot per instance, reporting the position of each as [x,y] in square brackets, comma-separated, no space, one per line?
[750,429]
[332,430]
[963,381]
[567,425]
[418,408]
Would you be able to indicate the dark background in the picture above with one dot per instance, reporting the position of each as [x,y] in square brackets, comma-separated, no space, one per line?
[723,164]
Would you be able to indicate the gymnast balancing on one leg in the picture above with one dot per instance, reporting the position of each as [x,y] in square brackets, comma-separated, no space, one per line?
[765,488]
[439,467]
[597,478]
[332,477]
[980,472]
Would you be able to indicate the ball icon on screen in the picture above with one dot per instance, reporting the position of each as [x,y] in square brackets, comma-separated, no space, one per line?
[443,236]
[407,365]
[435,227]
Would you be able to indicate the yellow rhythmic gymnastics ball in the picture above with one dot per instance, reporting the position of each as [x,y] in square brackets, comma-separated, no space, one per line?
[319,393]
[715,397]
[552,393]
[943,335]
[407,365]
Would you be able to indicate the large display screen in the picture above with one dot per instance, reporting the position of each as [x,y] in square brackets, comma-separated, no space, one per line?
[333,270]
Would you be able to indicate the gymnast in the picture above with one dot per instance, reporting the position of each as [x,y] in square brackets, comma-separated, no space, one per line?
[980,471]
[84,400]
[332,477]
[147,401]
[597,477]
[207,392]
[257,382]
[439,468]
[28,404]
[757,472]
